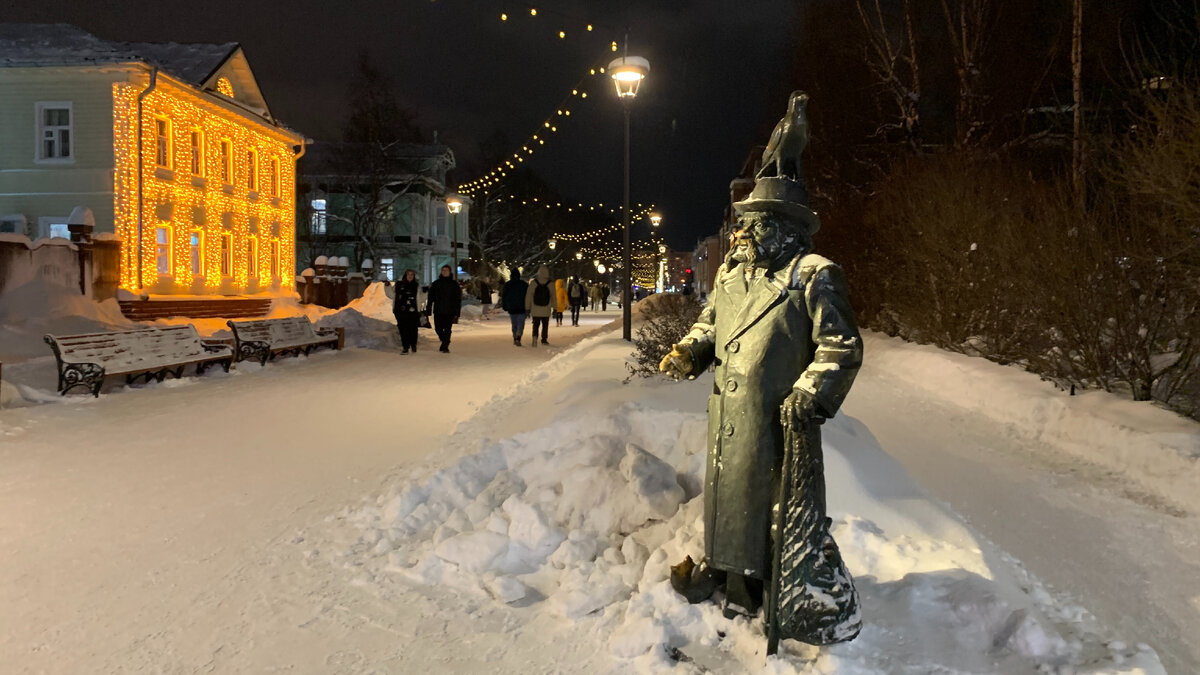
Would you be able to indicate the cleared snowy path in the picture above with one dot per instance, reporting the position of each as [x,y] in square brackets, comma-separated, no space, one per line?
[1130,558]
[144,529]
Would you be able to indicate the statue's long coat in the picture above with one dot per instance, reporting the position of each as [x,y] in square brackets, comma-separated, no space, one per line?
[788,329]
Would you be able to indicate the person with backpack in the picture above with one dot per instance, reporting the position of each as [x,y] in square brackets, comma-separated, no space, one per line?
[512,299]
[406,310]
[444,304]
[577,296]
[539,302]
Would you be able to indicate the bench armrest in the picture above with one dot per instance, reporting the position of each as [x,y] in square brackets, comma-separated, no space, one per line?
[330,331]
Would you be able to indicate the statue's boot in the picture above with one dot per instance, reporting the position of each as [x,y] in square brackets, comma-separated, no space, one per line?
[743,595]
[695,582]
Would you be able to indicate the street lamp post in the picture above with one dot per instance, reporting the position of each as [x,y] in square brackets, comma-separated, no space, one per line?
[454,205]
[627,74]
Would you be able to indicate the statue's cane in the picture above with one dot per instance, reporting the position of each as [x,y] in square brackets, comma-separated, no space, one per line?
[787,418]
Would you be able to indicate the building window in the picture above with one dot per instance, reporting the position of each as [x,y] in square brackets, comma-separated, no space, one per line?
[387,269]
[197,138]
[226,255]
[439,226]
[51,227]
[197,244]
[273,176]
[162,238]
[316,223]
[227,161]
[274,258]
[252,257]
[54,131]
[162,152]
[252,168]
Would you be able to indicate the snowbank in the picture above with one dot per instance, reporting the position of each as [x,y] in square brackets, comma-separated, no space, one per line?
[579,517]
[33,309]
[1156,448]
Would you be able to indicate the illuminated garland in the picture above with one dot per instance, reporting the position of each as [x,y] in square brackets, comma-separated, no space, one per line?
[551,122]
[533,142]
[203,204]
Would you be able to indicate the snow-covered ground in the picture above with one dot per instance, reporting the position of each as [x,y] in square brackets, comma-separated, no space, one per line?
[515,510]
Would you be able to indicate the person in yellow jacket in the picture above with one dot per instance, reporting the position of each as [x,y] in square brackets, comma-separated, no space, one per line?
[560,300]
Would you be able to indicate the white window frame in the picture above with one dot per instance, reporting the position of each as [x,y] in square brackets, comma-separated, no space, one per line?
[441,222]
[197,252]
[227,254]
[158,144]
[196,151]
[387,268]
[227,161]
[319,220]
[158,250]
[252,169]
[40,128]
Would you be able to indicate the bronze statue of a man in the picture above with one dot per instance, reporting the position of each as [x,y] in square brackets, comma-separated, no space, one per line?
[781,333]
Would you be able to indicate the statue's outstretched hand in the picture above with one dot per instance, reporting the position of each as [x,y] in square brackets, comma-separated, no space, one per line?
[677,364]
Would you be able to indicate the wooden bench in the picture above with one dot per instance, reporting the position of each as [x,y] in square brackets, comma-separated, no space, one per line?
[264,339]
[85,360]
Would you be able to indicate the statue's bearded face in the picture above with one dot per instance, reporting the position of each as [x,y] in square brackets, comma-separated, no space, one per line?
[760,240]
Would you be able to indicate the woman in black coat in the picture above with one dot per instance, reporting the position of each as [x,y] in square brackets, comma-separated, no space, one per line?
[404,306]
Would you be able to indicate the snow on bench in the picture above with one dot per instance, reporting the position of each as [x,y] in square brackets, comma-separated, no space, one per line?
[85,360]
[263,339]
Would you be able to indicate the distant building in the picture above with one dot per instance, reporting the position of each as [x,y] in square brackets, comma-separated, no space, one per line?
[412,226]
[171,146]
[706,258]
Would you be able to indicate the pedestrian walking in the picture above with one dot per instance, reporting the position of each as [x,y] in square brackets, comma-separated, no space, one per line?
[594,296]
[485,298]
[512,299]
[444,304]
[560,300]
[577,296]
[539,302]
[604,293]
[407,311]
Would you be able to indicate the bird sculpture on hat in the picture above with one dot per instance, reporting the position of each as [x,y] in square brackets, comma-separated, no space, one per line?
[788,140]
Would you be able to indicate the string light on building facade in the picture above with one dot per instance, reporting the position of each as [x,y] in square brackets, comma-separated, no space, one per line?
[202,190]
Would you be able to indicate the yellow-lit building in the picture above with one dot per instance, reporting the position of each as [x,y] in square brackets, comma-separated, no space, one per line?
[171,146]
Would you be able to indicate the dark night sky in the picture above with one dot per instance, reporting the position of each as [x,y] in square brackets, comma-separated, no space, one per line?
[717,83]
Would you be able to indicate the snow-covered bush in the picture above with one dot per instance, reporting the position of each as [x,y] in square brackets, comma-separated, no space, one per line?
[667,318]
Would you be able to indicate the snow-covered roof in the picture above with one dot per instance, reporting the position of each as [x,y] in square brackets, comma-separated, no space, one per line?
[61,44]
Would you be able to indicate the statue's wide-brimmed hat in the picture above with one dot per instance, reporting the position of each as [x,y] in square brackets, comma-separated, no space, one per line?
[782,196]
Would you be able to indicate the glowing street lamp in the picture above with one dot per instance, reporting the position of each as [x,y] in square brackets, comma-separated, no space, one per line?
[627,74]
[655,219]
[552,243]
[454,205]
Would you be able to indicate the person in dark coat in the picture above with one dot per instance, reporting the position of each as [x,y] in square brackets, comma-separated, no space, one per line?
[604,292]
[512,299]
[485,298]
[406,310]
[444,304]
[577,296]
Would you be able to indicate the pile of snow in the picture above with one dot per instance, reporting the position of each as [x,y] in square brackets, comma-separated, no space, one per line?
[1156,448]
[579,520]
[33,309]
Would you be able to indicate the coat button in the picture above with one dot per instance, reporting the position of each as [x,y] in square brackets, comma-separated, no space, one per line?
[727,429]
[731,385]
[734,345]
